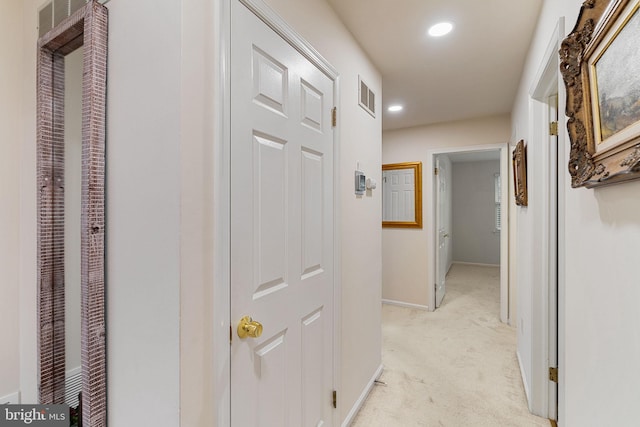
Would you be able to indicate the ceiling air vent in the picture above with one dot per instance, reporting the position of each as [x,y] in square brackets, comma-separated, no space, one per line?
[366,98]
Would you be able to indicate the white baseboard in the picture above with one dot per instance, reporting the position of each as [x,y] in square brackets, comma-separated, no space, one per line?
[524,380]
[13,399]
[405,304]
[477,264]
[363,396]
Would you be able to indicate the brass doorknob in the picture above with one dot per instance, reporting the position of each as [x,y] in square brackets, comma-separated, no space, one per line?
[249,328]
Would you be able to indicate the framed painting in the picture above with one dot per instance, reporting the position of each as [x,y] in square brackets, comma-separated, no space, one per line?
[520,173]
[600,65]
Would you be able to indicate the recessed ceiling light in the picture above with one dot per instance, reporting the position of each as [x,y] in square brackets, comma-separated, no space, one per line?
[395,108]
[440,29]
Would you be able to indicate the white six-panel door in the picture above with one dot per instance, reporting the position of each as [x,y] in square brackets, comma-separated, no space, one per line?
[443,236]
[281,230]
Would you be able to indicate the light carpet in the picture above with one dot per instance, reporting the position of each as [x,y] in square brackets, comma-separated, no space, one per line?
[456,366]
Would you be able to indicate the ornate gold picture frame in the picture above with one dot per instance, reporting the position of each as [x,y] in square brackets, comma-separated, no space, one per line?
[410,193]
[600,64]
[520,173]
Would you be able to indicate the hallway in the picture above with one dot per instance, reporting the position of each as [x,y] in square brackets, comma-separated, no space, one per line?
[456,366]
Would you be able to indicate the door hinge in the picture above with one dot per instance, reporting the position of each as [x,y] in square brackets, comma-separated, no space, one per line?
[553,374]
[334,117]
[436,171]
[553,128]
[335,399]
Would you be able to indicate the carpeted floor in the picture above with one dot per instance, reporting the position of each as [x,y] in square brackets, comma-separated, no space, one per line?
[453,367]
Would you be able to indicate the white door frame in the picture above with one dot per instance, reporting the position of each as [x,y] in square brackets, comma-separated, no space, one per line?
[222,198]
[545,325]
[504,233]
[441,237]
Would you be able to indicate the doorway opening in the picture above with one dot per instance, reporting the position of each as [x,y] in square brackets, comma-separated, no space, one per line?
[467,215]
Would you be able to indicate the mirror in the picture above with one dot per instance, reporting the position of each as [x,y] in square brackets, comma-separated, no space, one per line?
[402,195]
[63,264]
[72,227]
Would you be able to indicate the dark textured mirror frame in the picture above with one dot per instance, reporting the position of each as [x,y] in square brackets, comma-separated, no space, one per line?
[588,166]
[86,27]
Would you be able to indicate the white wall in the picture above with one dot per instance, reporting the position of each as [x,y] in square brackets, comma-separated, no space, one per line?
[10,136]
[404,278]
[143,212]
[360,140]
[513,241]
[28,217]
[200,383]
[473,236]
[599,383]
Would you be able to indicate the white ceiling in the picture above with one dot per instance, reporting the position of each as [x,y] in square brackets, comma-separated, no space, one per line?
[472,72]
